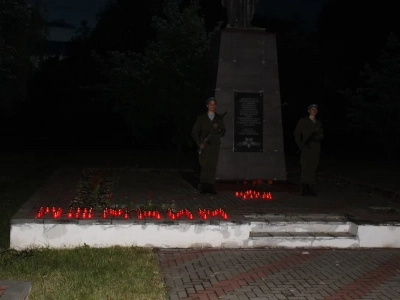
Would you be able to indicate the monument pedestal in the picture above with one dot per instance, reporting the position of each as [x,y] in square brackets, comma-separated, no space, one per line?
[246,84]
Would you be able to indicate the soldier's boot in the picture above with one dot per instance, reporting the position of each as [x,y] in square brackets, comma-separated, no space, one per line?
[212,190]
[204,188]
[312,190]
[305,190]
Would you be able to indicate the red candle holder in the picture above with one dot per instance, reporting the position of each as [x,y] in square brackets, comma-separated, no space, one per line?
[57,213]
[126,214]
[202,213]
[40,213]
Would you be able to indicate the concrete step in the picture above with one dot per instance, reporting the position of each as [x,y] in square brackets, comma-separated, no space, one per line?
[304,227]
[304,239]
[302,234]
[298,231]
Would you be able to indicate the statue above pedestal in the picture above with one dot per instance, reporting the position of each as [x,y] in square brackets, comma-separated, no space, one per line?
[239,12]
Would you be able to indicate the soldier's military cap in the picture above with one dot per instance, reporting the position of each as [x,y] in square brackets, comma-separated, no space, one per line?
[211,99]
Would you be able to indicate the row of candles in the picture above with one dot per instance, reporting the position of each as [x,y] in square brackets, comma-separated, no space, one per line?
[110,212]
[141,214]
[251,194]
[55,212]
[175,215]
[88,213]
[206,213]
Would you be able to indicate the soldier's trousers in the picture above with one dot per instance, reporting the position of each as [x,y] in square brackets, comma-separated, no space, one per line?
[208,160]
[309,163]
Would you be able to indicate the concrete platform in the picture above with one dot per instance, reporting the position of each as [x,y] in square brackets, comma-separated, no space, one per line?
[337,218]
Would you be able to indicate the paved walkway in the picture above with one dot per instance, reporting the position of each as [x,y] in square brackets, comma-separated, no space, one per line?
[14,290]
[281,274]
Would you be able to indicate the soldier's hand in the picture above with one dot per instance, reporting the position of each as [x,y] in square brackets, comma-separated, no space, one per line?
[215,125]
[201,145]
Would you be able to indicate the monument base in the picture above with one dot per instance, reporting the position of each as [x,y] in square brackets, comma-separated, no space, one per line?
[246,84]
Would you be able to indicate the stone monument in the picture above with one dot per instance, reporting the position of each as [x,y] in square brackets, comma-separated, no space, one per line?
[245,81]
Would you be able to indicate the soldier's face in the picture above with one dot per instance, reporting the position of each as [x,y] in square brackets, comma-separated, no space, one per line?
[212,106]
[313,111]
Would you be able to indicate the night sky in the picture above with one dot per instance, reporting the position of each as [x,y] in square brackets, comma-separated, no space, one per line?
[65,16]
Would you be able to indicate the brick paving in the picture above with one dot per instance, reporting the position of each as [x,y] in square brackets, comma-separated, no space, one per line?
[281,274]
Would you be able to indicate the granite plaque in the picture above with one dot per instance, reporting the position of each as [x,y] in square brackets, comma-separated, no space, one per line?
[248,122]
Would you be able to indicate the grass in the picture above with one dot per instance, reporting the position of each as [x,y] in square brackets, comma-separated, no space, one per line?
[86,273]
[82,273]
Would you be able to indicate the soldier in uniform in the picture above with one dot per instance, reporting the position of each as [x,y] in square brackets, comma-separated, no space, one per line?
[308,135]
[209,126]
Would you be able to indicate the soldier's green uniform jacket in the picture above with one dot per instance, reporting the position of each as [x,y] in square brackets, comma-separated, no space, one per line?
[204,125]
[308,136]
[208,158]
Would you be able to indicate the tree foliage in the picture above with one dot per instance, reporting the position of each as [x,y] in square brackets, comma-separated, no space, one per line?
[124,25]
[22,29]
[374,107]
[164,85]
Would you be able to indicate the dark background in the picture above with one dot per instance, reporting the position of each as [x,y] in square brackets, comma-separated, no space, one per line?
[56,95]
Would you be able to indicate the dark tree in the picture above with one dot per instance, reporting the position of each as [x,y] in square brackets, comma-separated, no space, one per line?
[374,108]
[162,87]
[212,12]
[124,25]
[353,33]
[22,33]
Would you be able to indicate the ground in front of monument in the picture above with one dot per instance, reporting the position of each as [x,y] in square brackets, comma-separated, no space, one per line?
[257,273]
[162,208]
[301,274]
